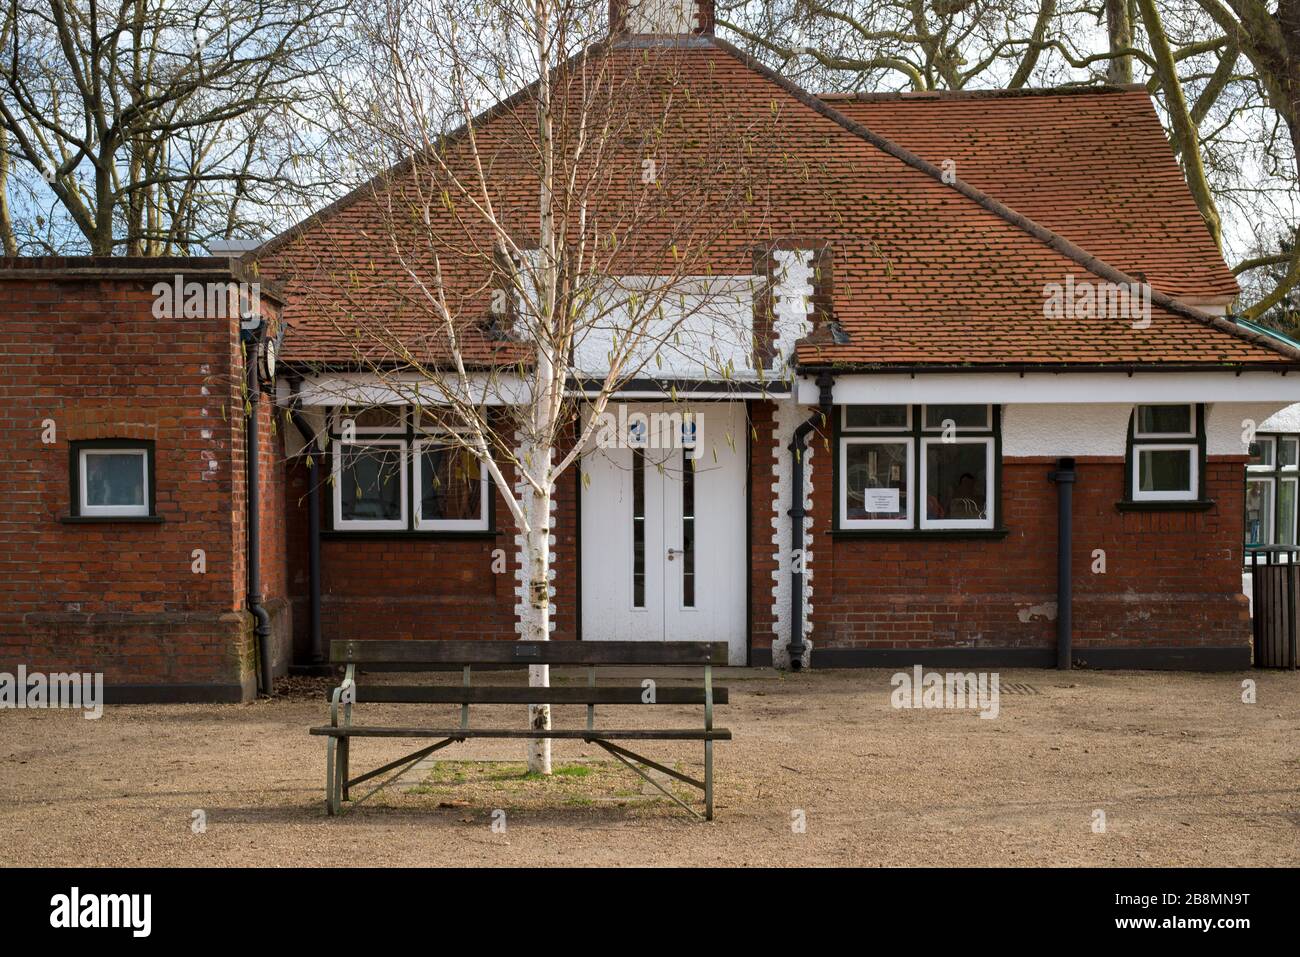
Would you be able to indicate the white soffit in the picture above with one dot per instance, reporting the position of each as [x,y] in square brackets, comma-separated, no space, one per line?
[1052,388]
[369,389]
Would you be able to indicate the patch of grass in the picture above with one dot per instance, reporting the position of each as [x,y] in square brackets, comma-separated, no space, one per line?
[573,770]
[511,785]
[517,772]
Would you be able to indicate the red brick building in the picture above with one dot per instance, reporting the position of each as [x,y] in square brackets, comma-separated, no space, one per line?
[963,312]
[125,548]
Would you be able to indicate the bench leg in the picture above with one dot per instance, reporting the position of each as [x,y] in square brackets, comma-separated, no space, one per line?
[345,746]
[708,780]
[333,791]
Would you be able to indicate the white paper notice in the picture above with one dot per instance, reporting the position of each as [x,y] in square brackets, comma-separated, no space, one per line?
[881,499]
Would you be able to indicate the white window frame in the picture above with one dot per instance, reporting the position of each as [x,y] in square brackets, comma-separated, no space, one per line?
[1278,478]
[990,481]
[1272,464]
[894,438]
[367,524]
[1271,485]
[1145,436]
[873,429]
[1277,453]
[445,524]
[337,418]
[986,427]
[1294,481]
[1193,451]
[119,511]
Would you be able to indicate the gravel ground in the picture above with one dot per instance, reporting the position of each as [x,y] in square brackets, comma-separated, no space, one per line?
[1184,771]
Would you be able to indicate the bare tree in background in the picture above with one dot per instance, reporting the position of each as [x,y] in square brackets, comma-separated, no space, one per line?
[522,264]
[149,126]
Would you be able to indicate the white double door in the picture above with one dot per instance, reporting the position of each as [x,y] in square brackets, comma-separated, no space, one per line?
[663,527]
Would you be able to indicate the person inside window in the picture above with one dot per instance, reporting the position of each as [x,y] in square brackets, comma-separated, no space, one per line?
[966,499]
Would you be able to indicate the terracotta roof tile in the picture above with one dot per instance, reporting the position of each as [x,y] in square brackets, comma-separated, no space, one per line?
[1092,165]
[924,272]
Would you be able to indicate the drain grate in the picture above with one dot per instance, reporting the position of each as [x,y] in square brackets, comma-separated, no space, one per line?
[1016,687]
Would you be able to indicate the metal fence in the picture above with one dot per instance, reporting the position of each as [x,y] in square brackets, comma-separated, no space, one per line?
[1274,578]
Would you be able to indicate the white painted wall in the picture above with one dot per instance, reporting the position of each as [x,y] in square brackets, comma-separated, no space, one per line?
[1061,430]
[662,16]
[314,416]
[1284,420]
[1229,425]
[1102,428]
[704,327]
[792,291]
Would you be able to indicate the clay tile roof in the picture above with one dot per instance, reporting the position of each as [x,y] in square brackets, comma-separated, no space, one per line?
[1093,165]
[925,272]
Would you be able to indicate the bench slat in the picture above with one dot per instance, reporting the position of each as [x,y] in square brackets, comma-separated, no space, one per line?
[669,734]
[611,653]
[485,694]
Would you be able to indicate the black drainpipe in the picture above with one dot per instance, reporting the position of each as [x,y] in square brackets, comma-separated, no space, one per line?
[1064,477]
[798,446]
[262,628]
[313,532]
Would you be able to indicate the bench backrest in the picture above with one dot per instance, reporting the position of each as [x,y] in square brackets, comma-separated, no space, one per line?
[432,654]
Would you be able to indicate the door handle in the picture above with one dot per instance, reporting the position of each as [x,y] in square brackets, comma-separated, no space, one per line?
[674,552]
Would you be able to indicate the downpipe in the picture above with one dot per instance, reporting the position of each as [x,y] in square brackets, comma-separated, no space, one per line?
[798,448]
[262,626]
[1064,476]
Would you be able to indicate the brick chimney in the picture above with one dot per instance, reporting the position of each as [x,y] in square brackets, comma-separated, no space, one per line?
[660,17]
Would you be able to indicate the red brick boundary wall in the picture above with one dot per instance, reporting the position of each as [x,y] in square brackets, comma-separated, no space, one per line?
[85,353]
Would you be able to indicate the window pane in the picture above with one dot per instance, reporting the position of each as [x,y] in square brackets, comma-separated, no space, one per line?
[1164,420]
[876,480]
[956,481]
[1286,453]
[1259,513]
[371,478]
[114,478]
[875,417]
[1261,452]
[688,530]
[450,485]
[385,417]
[638,528]
[960,416]
[1165,470]
[1286,512]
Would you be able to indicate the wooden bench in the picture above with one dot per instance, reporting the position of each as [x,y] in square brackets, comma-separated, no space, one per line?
[425,656]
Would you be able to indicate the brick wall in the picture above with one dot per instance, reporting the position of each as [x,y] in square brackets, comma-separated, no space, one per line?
[451,586]
[86,353]
[761,549]
[1172,579]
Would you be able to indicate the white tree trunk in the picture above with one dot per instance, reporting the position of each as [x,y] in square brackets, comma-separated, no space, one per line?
[537,619]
